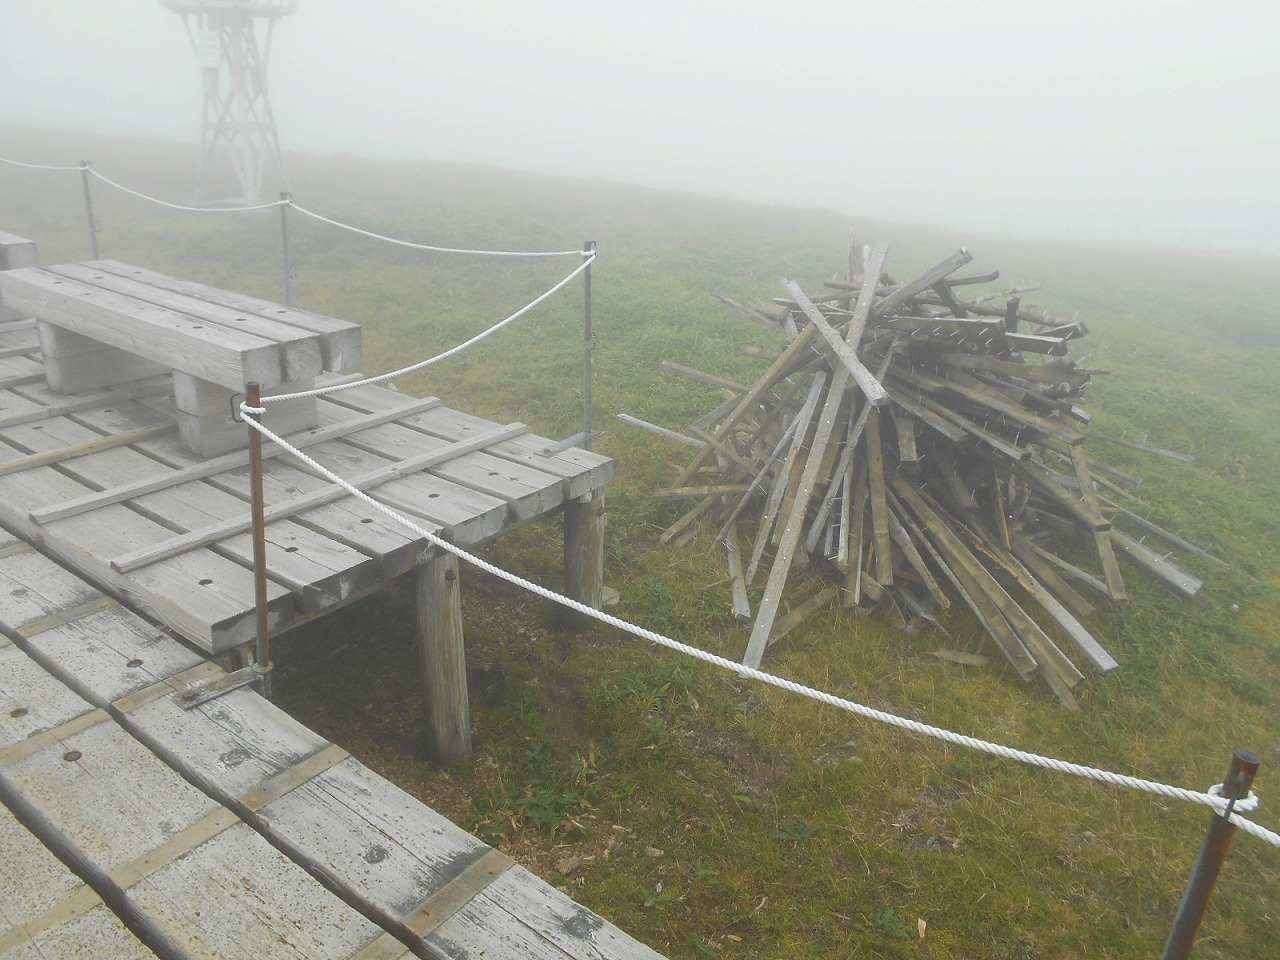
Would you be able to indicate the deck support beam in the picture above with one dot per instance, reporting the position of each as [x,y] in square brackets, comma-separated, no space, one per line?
[438,598]
[584,548]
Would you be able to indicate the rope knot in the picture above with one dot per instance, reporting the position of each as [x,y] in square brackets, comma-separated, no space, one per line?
[1244,805]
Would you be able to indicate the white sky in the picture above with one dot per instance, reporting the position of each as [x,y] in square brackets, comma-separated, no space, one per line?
[1153,121]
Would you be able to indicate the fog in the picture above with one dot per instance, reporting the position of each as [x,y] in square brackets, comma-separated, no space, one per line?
[1136,121]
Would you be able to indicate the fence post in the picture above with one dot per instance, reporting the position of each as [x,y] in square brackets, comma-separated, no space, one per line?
[1213,853]
[588,345]
[285,198]
[262,649]
[88,207]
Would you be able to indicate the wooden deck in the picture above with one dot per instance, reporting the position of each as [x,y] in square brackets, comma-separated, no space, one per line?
[223,831]
[101,481]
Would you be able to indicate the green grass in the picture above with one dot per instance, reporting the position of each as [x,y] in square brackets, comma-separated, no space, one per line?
[714,818]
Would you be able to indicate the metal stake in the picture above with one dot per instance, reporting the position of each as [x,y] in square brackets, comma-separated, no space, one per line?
[262,650]
[88,208]
[285,197]
[588,345]
[1213,853]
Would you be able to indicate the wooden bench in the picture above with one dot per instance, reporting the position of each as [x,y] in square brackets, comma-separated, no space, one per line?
[105,323]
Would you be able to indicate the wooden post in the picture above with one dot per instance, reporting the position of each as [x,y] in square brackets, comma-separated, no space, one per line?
[584,548]
[439,607]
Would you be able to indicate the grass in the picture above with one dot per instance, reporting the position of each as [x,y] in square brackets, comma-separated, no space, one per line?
[705,816]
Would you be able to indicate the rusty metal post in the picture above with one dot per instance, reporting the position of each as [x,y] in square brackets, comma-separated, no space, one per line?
[588,345]
[285,197]
[262,650]
[88,207]
[1213,853]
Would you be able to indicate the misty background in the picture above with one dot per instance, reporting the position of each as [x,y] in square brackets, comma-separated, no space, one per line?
[1135,121]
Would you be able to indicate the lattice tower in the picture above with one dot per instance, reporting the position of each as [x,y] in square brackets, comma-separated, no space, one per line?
[238,137]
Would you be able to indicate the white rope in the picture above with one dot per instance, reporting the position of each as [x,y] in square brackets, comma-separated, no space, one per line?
[422,365]
[434,249]
[36,166]
[1207,799]
[183,207]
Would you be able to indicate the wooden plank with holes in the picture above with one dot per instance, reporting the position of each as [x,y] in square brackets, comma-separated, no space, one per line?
[158,334]
[187,466]
[47,911]
[203,596]
[299,349]
[318,570]
[340,340]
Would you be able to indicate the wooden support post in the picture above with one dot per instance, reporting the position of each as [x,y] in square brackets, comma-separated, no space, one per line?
[584,548]
[439,608]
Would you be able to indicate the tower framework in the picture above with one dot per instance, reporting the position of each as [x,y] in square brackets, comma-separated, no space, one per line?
[238,139]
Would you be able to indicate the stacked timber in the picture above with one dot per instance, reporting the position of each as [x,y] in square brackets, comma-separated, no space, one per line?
[916,449]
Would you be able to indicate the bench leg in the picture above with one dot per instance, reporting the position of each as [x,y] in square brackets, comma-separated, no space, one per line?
[439,610]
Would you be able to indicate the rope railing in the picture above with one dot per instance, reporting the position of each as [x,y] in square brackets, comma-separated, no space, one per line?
[181,206]
[38,166]
[452,351]
[1205,798]
[287,201]
[430,248]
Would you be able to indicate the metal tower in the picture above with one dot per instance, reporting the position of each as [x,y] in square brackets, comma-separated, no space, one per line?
[238,132]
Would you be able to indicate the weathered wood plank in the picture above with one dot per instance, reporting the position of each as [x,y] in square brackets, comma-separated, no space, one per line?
[299,350]
[194,468]
[47,911]
[160,335]
[438,602]
[340,340]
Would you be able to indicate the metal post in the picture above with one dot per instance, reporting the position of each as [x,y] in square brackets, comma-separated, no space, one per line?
[285,197]
[588,345]
[88,207]
[262,650]
[1213,853]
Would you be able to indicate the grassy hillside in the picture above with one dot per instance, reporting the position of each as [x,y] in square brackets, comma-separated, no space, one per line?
[712,818]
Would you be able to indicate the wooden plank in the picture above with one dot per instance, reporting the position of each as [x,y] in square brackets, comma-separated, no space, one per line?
[781,482]
[581,470]
[793,618]
[741,605]
[84,449]
[794,528]
[877,487]
[299,350]
[319,570]
[202,596]
[340,340]
[176,342]
[15,411]
[658,431]
[1168,573]
[197,470]
[47,911]
[871,388]
[216,532]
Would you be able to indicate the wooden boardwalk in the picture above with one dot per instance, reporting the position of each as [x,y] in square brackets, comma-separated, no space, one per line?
[225,830]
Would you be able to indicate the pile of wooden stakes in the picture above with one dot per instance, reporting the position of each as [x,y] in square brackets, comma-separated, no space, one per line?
[918,448]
